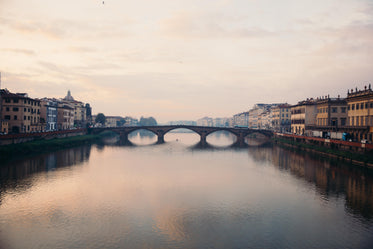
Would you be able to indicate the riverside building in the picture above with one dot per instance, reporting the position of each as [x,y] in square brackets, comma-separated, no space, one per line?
[21,113]
[360,113]
[281,121]
[303,114]
[331,112]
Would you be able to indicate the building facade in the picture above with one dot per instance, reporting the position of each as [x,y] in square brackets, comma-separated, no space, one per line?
[281,118]
[80,110]
[360,113]
[65,116]
[241,119]
[303,114]
[206,121]
[48,114]
[20,112]
[331,113]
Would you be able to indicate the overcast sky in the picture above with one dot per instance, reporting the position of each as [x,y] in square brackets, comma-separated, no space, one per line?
[185,59]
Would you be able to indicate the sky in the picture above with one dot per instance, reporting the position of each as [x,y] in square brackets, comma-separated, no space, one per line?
[185,59]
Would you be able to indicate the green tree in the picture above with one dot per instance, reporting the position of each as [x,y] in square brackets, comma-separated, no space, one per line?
[100,118]
[147,121]
[121,122]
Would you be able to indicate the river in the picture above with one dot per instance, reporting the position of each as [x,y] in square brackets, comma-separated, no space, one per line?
[178,195]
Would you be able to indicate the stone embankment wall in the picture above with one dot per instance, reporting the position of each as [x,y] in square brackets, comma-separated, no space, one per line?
[26,137]
[330,143]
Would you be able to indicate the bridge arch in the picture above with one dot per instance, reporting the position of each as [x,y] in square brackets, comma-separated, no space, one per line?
[202,131]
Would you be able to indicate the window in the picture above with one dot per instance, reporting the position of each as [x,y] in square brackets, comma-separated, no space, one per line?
[24,101]
[7,117]
[15,109]
[357,106]
[24,117]
[343,121]
[24,109]
[366,105]
[7,100]
[7,109]
[343,109]
[353,107]
[15,117]
[348,107]
[362,106]
[334,109]
[15,100]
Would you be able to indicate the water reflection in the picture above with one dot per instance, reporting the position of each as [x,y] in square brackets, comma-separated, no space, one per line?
[170,196]
[141,137]
[333,179]
[15,174]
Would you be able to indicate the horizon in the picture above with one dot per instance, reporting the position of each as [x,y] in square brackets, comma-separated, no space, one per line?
[184,60]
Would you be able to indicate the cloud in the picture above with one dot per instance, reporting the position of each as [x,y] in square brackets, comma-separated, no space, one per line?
[80,50]
[192,25]
[57,29]
[19,51]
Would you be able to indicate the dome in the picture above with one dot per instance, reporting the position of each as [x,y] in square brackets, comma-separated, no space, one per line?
[68,96]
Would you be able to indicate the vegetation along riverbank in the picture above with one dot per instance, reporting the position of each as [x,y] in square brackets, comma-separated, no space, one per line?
[11,151]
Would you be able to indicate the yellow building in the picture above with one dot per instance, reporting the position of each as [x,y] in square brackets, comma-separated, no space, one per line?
[331,113]
[303,114]
[281,121]
[20,112]
[360,113]
[4,127]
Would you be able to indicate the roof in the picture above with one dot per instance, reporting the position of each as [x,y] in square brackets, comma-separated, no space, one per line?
[5,93]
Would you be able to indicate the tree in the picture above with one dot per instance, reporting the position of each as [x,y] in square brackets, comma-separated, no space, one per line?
[147,121]
[121,122]
[100,118]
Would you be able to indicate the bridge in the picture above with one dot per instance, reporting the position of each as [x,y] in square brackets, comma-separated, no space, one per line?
[202,131]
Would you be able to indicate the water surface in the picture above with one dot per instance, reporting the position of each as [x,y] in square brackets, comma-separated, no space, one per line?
[177,195]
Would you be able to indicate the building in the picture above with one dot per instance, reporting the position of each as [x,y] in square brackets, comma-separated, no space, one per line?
[260,116]
[114,121]
[331,113]
[206,121]
[281,118]
[265,120]
[80,110]
[360,113]
[129,121]
[182,122]
[303,114]
[65,116]
[241,119]
[48,114]
[88,112]
[20,112]
[4,127]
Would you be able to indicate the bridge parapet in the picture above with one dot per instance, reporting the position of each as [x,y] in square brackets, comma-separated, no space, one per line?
[203,131]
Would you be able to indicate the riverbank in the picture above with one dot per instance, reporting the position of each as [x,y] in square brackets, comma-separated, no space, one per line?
[361,159]
[8,152]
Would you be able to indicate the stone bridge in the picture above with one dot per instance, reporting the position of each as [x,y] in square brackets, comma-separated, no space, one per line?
[203,131]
